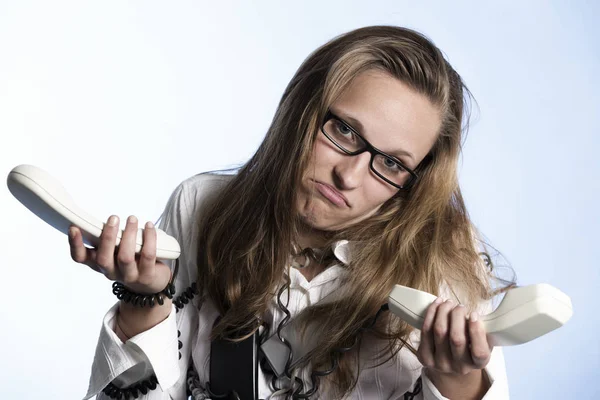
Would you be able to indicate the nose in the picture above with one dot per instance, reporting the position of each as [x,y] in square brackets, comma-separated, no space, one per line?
[350,171]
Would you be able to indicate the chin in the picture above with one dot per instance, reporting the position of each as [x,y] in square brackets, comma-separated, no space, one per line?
[323,221]
[318,214]
[315,218]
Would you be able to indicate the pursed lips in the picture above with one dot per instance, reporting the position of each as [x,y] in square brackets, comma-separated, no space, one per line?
[332,194]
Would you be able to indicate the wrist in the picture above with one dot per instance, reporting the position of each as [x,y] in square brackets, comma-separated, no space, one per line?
[132,320]
[473,385]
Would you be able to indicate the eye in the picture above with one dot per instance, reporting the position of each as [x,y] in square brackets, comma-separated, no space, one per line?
[392,166]
[344,129]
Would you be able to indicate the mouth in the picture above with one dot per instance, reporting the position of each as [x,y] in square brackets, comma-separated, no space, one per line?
[332,194]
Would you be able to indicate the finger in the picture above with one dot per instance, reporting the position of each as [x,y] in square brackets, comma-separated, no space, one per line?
[480,348]
[441,342]
[105,254]
[127,264]
[147,263]
[425,353]
[459,340]
[80,253]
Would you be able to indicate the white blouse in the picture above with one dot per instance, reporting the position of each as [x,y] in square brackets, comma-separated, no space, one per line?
[155,351]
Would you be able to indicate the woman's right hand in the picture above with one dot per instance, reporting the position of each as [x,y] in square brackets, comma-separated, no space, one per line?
[140,273]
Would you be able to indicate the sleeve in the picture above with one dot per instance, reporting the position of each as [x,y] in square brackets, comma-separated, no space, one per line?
[496,373]
[154,351]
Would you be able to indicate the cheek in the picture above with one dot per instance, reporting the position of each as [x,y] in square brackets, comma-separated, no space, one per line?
[324,153]
[376,194]
[319,158]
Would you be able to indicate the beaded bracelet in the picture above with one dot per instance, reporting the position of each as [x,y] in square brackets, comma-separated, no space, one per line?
[143,300]
[133,391]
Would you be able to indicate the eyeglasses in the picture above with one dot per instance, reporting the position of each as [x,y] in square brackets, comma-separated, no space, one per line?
[385,166]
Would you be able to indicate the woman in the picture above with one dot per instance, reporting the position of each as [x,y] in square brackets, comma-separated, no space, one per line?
[353,190]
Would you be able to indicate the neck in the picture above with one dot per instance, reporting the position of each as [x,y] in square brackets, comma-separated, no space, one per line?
[315,239]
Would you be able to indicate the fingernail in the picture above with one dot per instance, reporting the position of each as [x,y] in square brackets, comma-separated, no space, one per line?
[72,233]
[149,225]
[132,219]
[112,221]
[439,300]
[474,316]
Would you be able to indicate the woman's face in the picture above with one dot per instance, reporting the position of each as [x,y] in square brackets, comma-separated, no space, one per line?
[338,190]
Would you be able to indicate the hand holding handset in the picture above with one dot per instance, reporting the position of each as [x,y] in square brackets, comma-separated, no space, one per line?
[45,197]
[524,314]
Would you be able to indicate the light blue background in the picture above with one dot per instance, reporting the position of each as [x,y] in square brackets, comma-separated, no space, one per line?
[123,100]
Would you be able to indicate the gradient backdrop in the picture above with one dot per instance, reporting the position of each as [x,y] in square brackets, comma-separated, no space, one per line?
[122,100]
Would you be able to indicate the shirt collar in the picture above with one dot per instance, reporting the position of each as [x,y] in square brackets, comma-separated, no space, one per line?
[342,251]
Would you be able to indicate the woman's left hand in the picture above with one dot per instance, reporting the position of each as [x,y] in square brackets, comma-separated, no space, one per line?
[451,344]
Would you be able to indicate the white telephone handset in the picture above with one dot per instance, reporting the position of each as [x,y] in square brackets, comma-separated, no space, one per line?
[524,314]
[46,198]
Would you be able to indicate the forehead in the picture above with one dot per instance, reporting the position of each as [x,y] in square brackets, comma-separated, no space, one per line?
[393,115]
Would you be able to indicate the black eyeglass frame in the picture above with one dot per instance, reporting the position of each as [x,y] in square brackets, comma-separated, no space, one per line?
[374,151]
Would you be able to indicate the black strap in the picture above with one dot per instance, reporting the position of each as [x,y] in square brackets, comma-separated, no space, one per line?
[234,368]
[416,390]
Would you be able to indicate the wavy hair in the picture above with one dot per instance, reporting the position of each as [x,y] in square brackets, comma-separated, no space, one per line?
[422,238]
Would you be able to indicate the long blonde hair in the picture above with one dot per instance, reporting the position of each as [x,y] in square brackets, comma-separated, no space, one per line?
[421,238]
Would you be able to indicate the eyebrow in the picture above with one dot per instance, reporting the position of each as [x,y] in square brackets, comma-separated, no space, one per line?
[356,125]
